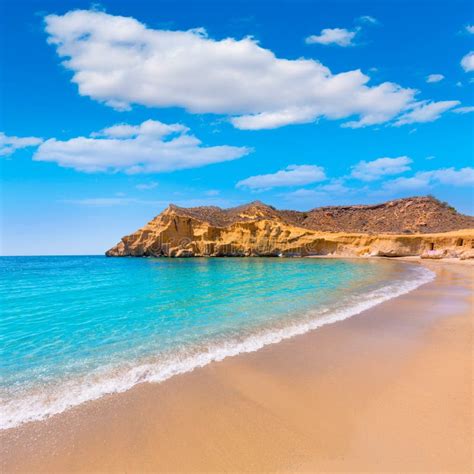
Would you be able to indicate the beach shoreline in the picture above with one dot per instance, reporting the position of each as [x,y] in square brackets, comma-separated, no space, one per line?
[335,399]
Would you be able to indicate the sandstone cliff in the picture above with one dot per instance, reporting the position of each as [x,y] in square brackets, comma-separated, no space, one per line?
[414,226]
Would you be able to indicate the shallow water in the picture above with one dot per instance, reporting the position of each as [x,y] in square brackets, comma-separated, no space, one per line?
[75,328]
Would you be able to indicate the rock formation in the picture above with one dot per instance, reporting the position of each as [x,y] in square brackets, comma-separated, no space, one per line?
[420,226]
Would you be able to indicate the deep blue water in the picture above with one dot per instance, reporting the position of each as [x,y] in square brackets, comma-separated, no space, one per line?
[75,328]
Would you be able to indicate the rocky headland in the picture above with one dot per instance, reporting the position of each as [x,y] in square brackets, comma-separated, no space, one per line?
[418,226]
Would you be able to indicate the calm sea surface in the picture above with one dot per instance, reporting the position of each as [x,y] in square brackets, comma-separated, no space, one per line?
[75,328]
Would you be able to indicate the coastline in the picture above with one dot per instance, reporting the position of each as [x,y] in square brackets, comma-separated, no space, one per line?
[335,399]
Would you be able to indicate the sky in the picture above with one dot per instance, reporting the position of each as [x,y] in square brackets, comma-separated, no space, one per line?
[112,110]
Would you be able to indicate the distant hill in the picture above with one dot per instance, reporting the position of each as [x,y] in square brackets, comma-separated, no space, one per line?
[410,215]
[259,229]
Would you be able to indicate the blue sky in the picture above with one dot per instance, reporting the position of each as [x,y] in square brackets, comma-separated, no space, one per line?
[112,110]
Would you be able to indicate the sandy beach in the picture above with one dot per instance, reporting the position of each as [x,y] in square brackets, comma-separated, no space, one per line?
[389,390]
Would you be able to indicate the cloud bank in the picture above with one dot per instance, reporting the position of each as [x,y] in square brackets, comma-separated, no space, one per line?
[120,61]
[152,146]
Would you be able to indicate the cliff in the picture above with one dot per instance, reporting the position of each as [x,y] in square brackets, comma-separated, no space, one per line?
[414,226]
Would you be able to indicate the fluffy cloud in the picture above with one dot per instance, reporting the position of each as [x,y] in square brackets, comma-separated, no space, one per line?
[470,29]
[376,169]
[293,175]
[339,36]
[426,112]
[120,61]
[425,179]
[149,147]
[9,145]
[467,62]
[434,78]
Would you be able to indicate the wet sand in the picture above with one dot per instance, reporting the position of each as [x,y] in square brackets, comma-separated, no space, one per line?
[389,390]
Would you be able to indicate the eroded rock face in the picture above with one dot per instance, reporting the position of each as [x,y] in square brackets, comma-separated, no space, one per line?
[260,230]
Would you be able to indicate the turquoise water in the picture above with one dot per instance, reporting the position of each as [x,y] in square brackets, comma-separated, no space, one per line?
[75,328]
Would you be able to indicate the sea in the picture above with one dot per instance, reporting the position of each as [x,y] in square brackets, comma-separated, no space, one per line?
[73,329]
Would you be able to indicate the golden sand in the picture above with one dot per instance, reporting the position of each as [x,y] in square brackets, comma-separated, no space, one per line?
[389,390]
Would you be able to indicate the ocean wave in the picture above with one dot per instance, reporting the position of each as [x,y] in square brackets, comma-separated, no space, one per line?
[44,404]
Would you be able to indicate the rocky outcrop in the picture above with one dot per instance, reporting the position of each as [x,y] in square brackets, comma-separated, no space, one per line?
[419,226]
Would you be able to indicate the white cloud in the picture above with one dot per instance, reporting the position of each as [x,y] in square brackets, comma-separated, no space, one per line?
[464,110]
[268,120]
[212,192]
[434,78]
[119,61]
[470,29]
[293,175]
[467,62]
[451,176]
[418,112]
[149,128]
[9,145]
[425,179]
[149,147]
[414,183]
[376,169]
[426,112]
[339,36]
[146,186]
